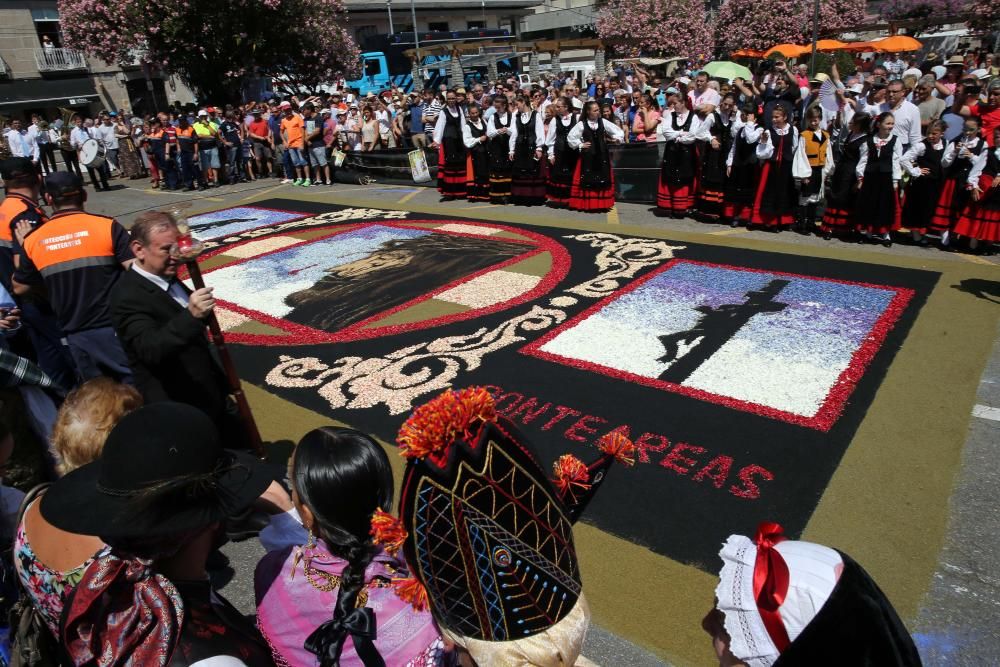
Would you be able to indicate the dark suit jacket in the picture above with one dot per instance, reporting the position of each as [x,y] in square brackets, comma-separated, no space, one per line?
[167,347]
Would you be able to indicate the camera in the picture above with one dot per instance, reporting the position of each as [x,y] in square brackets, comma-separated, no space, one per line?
[765,66]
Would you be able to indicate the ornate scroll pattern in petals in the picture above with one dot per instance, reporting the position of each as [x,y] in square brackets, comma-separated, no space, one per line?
[619,258]
[400,377]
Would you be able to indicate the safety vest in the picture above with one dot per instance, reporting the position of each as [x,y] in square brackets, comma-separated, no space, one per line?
[11,207]
[816,143]
[186,139]
[69,241]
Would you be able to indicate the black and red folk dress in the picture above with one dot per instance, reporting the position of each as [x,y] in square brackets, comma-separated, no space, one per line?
[527,186]
[451,155]
[477,165]
[712,184]
[561,170]
[878,210]
[842,192]
[744,167]
[776,199]
[499,153]
[981,219]
[679,168]
[593,188]
[954,196]
[924,190]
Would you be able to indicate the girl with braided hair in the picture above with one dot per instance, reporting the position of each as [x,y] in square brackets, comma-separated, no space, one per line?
[332,601]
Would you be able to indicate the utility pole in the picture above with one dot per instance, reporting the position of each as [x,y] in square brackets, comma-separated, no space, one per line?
[416,43]
[388,8]
[812,62]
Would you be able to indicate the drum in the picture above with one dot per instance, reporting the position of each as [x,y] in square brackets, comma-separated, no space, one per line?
[92,154]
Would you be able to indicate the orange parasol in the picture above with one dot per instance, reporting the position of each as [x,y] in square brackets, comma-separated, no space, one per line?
[787,50]
[861,47]
[898,43]
[747,53]
[830,45]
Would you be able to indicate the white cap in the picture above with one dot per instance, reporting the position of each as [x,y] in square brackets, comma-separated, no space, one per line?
[202,112]
[857,89]
[913,71]
[980,74]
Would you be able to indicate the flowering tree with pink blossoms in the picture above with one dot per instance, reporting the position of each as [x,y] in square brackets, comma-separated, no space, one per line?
[217,45]
[751,24]
[984,15]
[657,27]
[920,13]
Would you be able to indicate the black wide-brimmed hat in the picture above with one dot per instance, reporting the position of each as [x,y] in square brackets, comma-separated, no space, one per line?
[162,472]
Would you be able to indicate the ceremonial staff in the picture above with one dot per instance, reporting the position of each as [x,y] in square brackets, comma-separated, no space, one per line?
[188,249]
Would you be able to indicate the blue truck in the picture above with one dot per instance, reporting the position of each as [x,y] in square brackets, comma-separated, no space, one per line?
[385,65]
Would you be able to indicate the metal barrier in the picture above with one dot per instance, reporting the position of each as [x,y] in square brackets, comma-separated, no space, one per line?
[636,168]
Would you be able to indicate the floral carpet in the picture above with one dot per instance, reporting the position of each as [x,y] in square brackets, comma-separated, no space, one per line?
[741,375]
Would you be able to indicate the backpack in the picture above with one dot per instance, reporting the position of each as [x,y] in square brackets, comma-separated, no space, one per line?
[31,642]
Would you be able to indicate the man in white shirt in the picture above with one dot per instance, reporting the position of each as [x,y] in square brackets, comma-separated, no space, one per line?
[21,144]
[77,137]
[104,132]
[906,113]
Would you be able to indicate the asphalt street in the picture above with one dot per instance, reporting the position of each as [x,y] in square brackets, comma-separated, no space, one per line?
[957,621]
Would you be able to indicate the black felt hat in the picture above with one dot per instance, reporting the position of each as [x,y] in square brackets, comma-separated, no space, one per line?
[162,472]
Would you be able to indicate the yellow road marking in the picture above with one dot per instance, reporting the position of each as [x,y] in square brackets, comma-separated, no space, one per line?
[975,259]
[727,232]
[259,193]
[613,218]
[407,197]
[469,208]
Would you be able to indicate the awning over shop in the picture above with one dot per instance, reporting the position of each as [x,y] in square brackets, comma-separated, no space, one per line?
[46,92]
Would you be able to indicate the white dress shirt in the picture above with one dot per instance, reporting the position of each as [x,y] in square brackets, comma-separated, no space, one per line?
[172,288]
[897,157]
[539,130]
[78,136]
[907,117]
[21,145]
[106,135]
[575,136]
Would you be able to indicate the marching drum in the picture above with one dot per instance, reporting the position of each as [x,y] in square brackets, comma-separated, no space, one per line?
[92,154]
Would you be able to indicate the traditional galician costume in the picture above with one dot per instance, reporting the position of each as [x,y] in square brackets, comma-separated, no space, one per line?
[477,167]
[488,535]
[924,189]
[564,159]
[744,169]
[879,169]
[679,169]
[815,150]
[593,188]
[776,199]
[451,153]
[498,131]
[954,195]
[842,192]
[784,603]
[715,152]
[527,139]
[980,221]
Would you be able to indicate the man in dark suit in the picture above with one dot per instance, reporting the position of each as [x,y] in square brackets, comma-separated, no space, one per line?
[161,324]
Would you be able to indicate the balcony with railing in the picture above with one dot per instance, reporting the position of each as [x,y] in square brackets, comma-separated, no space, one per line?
[59,60]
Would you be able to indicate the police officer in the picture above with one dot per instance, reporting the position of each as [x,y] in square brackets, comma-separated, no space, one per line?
[20,215]
[78,257]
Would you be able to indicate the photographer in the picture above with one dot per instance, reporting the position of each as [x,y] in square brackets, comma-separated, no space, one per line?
[780,90]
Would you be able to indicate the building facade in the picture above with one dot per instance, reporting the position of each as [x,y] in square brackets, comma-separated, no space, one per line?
[38,74]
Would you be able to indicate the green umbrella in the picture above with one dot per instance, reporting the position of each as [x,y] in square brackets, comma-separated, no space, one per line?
[725,69]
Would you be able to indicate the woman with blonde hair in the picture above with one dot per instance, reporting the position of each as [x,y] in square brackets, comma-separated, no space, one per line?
[50,561]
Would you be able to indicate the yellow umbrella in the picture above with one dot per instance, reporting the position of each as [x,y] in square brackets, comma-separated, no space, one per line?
[898,44]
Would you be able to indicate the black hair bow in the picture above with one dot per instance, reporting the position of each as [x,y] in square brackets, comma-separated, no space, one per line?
[327,641]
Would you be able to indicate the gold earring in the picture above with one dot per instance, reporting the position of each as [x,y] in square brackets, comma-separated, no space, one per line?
[312,540]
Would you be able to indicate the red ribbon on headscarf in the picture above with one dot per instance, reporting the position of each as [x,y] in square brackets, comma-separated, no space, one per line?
[770,582]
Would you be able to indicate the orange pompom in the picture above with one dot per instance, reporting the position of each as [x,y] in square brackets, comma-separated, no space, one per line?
[387,531]
[411,590]
[619,446]
[432,427]
[570,472]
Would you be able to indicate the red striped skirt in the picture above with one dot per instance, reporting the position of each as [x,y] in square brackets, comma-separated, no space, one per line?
[586,199]
[451,179]
[675,198]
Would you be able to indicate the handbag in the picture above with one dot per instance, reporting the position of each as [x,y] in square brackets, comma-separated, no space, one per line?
[31,642]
